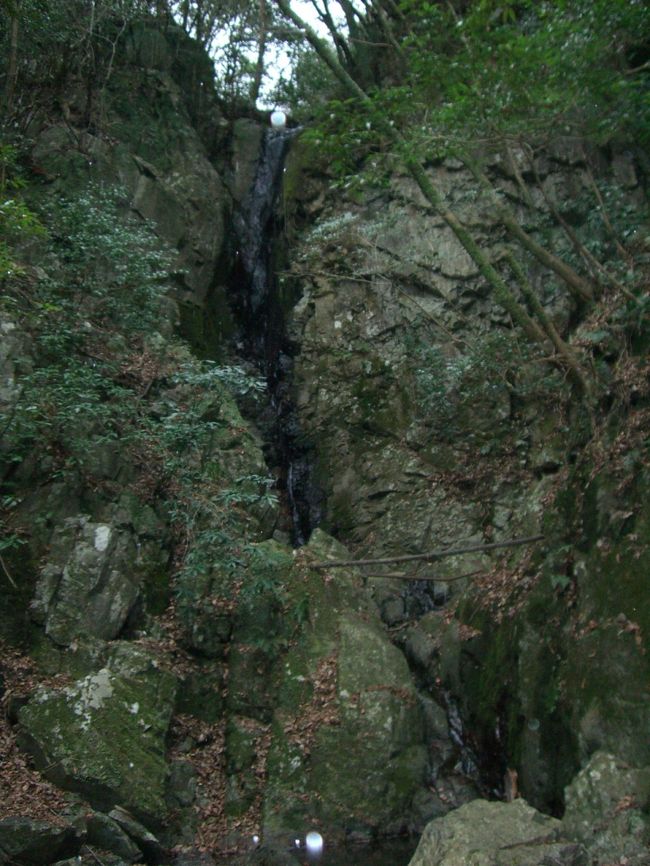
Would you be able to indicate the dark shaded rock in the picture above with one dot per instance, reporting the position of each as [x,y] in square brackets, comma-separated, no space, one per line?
[182,783]
[88,858]
[103,832]
[151,848]
[269,854]
[25,841]
[201,692]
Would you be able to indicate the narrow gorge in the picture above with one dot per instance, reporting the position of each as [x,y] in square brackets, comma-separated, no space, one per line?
[301,530]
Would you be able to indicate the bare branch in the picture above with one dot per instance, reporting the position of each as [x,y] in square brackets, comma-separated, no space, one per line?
[431,556]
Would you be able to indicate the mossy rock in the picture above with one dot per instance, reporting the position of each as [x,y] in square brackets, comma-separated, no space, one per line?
[201,693]
[496,834]
[104,736]
[607,809]
[347,734]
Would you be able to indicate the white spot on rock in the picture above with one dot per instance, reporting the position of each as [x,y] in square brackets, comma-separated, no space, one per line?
[102,537]
[91,693]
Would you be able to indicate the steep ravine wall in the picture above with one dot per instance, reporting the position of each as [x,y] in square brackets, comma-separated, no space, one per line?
[177,679]
[173,676]
[436,426]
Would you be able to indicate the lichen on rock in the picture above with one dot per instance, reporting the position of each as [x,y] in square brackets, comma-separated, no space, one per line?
[104,736]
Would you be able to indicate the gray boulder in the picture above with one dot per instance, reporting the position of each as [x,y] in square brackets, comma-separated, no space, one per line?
[89,584]
[151,848]
[496,834]
[104,736]
[607,809]
[105,833]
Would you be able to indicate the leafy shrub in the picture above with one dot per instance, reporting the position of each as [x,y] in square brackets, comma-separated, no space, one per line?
[92,322]
[451,389]
[112,263]
[17,222]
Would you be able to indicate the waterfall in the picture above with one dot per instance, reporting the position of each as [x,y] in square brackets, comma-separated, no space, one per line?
[263,339]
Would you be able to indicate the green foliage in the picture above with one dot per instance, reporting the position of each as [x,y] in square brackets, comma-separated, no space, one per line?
[560,581]
[108,280]
[209,373]
[17,222]
[69,404]
[305,84]
[512,70]
[249,490]
[112,262]
[491,369]
[9,539]
[58,38]
[92,322]
[500,71]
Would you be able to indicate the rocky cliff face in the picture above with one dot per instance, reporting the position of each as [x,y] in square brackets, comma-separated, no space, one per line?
[175,676]
[436,426]
[180,673]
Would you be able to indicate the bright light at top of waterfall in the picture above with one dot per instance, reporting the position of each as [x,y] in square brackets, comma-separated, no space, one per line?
[314,842]
[278,119]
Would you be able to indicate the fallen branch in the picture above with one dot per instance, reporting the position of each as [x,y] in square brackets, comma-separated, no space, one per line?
[400,575]
[431,556]
[7,574]
[95,857]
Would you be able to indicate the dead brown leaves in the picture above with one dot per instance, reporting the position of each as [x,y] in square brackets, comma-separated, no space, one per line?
[23,791]
[204,746]
[321,710]
[140,370]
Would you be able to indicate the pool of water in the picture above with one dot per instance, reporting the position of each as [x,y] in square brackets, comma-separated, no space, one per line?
[390,852]
[393,852]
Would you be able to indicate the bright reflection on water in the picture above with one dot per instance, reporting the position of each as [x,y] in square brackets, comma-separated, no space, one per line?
[396,852]
[386,853]
[314,844]
[313,850]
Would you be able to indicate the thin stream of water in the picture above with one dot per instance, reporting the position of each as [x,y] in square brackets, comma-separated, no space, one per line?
[263,340]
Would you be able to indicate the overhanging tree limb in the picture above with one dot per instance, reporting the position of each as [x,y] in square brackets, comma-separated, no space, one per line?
[502,293]
[574,281]
[323,50]
[562,348]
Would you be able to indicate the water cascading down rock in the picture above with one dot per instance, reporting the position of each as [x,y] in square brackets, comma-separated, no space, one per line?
[259,310]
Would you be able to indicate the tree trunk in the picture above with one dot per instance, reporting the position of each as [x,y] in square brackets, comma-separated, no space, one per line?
[12,66]
[261,50]
[502,293]
[563,349]
[579,286]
